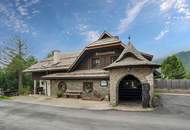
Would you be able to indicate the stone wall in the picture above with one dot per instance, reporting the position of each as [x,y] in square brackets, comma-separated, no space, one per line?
[145,75]
[78,85]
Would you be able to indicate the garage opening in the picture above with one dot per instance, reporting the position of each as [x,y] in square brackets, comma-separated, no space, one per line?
[130,89]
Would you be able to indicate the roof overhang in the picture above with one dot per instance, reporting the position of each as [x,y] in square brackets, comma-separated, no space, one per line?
[45,69]
[80,74]
[133,66]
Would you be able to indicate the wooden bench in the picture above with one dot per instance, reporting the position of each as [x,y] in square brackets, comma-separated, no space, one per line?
[76,93]
[10,93]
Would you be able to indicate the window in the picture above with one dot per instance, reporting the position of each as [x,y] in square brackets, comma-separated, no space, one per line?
[95,62]
[103,83]
[113,58]
[87,87]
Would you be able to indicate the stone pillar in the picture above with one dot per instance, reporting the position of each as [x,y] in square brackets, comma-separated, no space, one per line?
[34,86]
[113,89]
[150,80]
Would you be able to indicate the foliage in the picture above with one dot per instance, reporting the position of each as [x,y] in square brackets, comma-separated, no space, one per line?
[59,94]
[50,54]
[188,75]
[156,94]
[25,90]
[184,56]
[14,60]
[172,68]
[4,97]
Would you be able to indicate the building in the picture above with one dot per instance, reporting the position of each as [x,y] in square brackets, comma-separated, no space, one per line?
[106,68]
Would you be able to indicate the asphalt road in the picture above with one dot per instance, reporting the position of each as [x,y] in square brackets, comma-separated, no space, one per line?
[175,104]
[19,116]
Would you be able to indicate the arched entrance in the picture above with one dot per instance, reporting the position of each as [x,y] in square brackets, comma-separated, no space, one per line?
[130,89]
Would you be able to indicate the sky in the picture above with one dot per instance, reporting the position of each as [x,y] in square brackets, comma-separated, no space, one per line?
[158,27]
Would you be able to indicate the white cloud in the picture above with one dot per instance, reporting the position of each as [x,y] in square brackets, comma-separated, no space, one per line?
[23,11]
[15,19]
[91,36]
[131,14]
[110,1]
[177,10]
[24,5]
[181,7]
[161,35]
[167,5]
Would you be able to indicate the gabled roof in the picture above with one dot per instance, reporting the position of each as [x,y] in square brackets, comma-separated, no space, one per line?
[131,49]
[131,57]
[48,64]
[105,38]
[69,61]
[103,41]
[105,35]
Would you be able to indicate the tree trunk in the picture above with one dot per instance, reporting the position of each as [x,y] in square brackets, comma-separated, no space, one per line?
[20,85]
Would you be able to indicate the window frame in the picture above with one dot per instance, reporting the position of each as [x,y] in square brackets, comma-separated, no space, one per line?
[94,63]
[104,85]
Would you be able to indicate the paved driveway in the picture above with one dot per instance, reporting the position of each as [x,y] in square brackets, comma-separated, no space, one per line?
[20,116]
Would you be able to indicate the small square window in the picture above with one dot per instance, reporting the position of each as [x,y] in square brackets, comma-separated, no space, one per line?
[104,83]
[95,62]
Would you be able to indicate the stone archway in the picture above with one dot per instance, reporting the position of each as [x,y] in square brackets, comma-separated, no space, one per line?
[129,89]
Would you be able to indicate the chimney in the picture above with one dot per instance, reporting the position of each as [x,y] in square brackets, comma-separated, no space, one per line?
[56,55]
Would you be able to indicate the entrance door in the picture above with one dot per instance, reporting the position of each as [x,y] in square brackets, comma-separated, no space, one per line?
[130,89]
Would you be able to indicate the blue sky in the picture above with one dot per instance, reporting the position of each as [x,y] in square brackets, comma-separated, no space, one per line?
[159,27]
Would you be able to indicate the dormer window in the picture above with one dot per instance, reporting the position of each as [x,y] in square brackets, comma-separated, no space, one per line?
[95,62]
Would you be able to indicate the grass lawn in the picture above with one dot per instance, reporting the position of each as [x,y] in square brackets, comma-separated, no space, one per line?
[4,97]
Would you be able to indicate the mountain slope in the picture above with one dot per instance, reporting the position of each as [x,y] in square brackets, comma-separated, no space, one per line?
[184,56]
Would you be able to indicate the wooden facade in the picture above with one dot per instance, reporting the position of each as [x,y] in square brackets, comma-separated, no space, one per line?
[99,58]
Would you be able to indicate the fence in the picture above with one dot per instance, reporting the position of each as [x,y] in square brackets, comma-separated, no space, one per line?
[172,84]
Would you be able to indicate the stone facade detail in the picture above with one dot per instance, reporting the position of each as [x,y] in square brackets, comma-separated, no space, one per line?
[145,75]
[78,85]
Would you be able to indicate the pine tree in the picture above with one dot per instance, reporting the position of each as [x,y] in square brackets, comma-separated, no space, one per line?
[172,68]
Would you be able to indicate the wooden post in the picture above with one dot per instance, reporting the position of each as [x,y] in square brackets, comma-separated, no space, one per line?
[34,87]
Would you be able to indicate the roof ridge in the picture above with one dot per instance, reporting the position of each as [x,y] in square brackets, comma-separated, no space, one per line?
[129,48]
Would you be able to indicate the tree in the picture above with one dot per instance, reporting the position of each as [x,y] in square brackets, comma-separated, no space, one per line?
[172,68]
[12,55]
[27,78]
[50,54]
[188,75]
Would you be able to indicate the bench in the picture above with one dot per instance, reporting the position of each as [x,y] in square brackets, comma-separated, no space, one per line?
[76,93]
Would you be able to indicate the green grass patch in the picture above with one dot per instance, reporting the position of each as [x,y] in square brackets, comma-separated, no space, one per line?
[4,98]
[156,94]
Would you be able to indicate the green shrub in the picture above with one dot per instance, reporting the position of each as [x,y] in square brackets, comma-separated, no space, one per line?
[24,90]
[59,94]
[156,94]
[4,97]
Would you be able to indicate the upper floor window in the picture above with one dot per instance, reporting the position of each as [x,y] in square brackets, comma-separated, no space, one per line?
[95,62]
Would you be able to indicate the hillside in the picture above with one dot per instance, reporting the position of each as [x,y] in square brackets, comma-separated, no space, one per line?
[184,56]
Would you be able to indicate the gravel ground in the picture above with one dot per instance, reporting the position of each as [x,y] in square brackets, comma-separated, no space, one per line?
[22,116]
